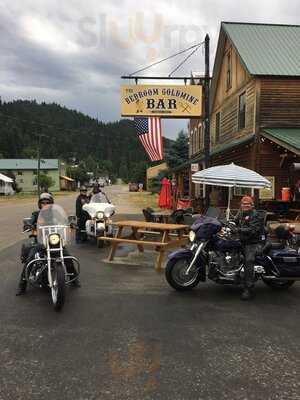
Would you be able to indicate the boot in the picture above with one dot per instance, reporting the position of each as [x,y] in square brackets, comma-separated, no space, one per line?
[247,294]
[21,288]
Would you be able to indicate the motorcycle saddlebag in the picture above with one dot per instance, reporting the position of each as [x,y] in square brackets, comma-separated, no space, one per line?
[287,262]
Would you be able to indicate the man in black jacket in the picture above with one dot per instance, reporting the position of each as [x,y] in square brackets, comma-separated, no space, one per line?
[251,229]
[81,215]
[30,248]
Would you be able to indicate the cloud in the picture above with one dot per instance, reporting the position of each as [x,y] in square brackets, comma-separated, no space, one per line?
[74,52]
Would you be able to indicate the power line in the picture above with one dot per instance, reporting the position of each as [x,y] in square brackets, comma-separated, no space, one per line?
[186,58]
[167,58]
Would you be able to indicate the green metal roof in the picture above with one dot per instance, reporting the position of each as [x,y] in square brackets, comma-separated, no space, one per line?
[286,137]
[23,163]
[219,149]
[266,49]
[226,146]
[230,145]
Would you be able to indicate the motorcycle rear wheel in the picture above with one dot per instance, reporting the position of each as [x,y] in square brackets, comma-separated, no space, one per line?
[278,284]
[176,277]
[58,290]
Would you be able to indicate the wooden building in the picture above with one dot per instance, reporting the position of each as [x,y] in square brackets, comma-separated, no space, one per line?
[254,107]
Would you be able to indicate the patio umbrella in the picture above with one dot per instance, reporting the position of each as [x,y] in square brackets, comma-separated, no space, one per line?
[230,175]
[165,200]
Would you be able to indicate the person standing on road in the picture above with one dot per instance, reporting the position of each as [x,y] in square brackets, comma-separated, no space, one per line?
[82,216]
[251,228]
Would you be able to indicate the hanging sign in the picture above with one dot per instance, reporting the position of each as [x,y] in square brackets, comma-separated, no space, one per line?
[173,101]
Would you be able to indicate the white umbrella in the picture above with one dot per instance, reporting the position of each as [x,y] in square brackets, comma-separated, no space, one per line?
[231,175]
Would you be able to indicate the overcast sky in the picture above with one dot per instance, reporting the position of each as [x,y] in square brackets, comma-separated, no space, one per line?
[73,52]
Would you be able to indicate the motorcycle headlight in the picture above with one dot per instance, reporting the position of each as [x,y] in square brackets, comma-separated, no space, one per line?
[192,236]
[99,215]
[54,239]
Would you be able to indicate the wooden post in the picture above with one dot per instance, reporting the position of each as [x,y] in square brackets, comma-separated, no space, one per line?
[161,254]
[115,244]
[206,113]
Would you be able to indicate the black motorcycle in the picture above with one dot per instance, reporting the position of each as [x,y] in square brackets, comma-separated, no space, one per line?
[216,253]
[49,265]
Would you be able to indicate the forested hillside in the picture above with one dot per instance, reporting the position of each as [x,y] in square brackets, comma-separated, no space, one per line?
[68,134]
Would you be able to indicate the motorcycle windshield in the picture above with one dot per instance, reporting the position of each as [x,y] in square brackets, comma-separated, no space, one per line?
[206,227]
[53,219]
[99,198]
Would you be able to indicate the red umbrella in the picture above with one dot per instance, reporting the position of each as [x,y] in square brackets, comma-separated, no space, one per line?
[165,200]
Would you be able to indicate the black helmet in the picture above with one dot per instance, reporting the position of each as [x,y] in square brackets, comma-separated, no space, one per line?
[45,197]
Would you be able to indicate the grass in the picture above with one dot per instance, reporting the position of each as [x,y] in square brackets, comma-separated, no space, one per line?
[30,196]
[143,199]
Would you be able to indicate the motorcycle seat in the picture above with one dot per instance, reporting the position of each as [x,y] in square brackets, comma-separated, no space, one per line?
[272,246]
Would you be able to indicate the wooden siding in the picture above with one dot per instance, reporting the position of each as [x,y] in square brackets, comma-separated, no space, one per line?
[227,100]
[280,102]
[271,164]
[229,115]
[240,156]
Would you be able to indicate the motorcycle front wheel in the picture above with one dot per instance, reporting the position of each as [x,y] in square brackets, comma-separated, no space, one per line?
[58,290]
[176,274]
[278,284]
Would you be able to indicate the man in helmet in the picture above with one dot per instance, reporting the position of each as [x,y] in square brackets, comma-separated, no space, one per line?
[101,195]
[29,249]
[251,229]
[82,216]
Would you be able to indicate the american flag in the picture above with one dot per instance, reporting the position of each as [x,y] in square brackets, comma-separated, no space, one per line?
[149,133]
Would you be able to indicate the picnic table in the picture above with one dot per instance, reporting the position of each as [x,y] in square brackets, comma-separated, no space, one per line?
[297,211]
[139,230]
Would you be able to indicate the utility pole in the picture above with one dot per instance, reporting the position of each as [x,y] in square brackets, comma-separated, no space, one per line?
[206,114]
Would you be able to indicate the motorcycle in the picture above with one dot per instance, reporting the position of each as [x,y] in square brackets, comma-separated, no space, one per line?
[216,254]
[48,268]
[100,211]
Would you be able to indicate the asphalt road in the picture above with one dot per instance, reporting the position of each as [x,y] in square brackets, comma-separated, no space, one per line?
[126,335]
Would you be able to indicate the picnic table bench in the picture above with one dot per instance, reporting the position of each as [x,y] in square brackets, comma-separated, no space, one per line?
[139,229]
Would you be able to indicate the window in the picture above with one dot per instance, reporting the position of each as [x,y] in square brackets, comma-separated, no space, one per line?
[20,181]
[242,110]
[229,71]
[19,173]
[34,172]
[218,126]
